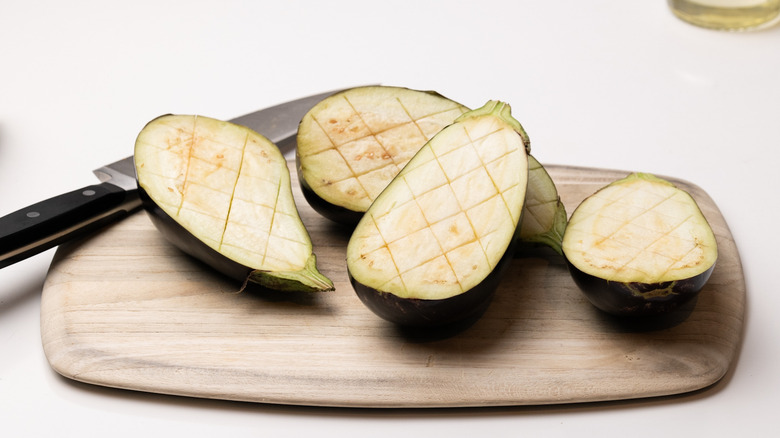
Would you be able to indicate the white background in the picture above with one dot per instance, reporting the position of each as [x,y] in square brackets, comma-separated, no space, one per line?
[601,83]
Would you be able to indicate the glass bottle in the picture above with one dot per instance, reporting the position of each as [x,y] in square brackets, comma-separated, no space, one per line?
[734,15]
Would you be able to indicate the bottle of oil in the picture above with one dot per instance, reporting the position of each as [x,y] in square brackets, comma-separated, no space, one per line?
[732,15]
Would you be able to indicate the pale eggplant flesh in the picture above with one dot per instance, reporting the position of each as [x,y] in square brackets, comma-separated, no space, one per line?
[430,249]
[422,312]
[222,193]
[639,246]
[544,215]
[352,144]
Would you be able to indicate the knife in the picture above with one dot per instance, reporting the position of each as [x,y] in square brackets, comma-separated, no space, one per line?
[48,223]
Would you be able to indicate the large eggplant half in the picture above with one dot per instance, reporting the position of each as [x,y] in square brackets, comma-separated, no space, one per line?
[639,246]
[221,193]
[352,144]
[431,248]
[544,216]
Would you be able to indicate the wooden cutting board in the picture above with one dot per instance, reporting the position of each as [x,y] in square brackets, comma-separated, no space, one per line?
[124,309]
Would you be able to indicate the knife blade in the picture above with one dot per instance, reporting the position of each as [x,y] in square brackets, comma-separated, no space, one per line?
[49,223]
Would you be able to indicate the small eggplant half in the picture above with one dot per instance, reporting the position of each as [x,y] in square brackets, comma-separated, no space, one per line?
[639,246]
[431,248]
[544,216]
[221,193]
[352,144]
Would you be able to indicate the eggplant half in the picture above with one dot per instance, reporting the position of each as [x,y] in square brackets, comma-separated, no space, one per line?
[639,246]
[221,193]
[352,144]
[544,216]
[431,248]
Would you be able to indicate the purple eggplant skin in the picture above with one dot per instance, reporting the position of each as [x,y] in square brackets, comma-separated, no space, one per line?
[336,213]
[635,299]
[421,313]
[185,241]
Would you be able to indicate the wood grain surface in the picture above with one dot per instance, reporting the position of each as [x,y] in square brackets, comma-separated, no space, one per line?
[122,308]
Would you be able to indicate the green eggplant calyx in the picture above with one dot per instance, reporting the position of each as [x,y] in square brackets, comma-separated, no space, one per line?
[554,236]
[308,279]
[504,112]
[544,215]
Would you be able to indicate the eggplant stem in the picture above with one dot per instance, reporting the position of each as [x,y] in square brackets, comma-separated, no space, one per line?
[307,279]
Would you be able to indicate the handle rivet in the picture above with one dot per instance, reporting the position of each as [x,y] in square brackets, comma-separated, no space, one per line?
[33,214]
[88,192]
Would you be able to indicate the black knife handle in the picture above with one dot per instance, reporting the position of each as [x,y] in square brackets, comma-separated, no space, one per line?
[48,223]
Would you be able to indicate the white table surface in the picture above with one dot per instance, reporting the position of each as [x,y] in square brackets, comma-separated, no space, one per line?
[601,83]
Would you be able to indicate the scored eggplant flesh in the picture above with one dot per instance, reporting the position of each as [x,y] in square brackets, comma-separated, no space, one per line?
[352,144]
[639,245]
[544,215]
[229,188]
[444,223]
